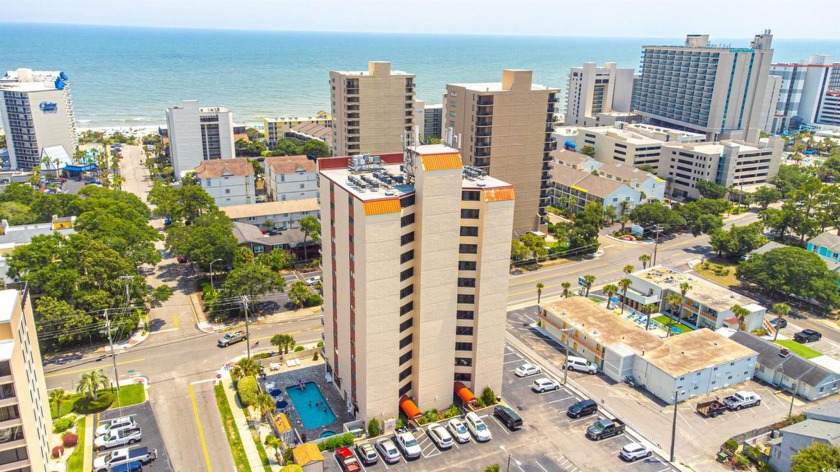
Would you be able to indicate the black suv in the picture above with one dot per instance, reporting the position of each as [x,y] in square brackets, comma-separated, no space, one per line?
[508,417]
[582,408]
[807,336]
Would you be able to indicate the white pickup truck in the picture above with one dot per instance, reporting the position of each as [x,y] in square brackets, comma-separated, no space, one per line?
[742,399]
[118,438]
[124,456]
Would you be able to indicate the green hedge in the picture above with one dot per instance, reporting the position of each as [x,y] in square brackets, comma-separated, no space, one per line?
[63,424]
[335,442]
[313,299]
[247,389]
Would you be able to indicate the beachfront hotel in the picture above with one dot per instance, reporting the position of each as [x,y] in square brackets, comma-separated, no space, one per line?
[25,421]
[415,252]
[198,134]
[37,113]
[504,128]
[371,109]
[599,96]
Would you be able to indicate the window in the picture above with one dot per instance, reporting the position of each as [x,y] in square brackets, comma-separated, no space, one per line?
[406,324]
[407,291]
[302,185]
[463,346]
[408,355]
[463,361]
[404,275]
[469,230]
[227,190]
[466,298]
[464,282]
[453,94]
[9,413]
[405,389]
[466,314]
[467,249]
[471,195]
[452,113]
[259,249]
[406,341]
[464,330]
[13,455]
[407,220]
[469,214]
[463,377]
[405,373]
[407,256]
[407,238]
[467,265]
[407,201]
[406,308]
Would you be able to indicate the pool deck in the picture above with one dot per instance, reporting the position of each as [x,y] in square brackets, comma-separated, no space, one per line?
[314,374]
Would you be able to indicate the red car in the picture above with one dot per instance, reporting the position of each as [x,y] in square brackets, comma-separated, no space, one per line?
[348,461]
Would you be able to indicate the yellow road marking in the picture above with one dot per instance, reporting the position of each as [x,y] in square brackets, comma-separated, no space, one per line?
[290,333]
[176,321]
[57,374]
[200,430]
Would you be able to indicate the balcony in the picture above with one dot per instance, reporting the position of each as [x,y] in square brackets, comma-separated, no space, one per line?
[485,101]
[483,133]
[553,99]
[352,116]
[484,122]
[409,89]
[482,153]
[352,123]
[351,91]
[352,99]
[482,163]
[481,112]
[482,143]
[546,167]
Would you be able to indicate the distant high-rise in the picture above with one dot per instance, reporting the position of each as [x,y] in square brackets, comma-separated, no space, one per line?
[433,116]
[37,113]
[716,90]
[505,128]
[599,96]
[371,109]
[808,93]
[198,134]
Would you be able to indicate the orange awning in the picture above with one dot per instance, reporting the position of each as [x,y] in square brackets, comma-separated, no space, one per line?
[409,408]
[465,394]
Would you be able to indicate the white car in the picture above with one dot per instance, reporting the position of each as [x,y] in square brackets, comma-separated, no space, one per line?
[458,430]
[545,385]
[387,450]
[634,451]
[478,428]
[439,435]
[408,444]
[116,423]
[527,369]
[313,280]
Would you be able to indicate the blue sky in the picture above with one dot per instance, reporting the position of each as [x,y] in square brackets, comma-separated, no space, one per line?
[616,18]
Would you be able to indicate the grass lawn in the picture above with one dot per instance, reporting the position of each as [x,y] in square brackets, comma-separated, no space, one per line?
[261,450]
[663,319]
[75,462]
[66,405]
[130,395]
[86,406]
[801,349]
[232,433]
[728,280]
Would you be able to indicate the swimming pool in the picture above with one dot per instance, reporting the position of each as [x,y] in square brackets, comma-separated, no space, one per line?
[327,434]
[305,401]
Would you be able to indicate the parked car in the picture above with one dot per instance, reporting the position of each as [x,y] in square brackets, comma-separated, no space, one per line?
[545,385]
[387,450]
[527,369]
[118,438]
[508,417]
[313,280]
[439,436]
[232,337]
[124,456]
[580,364]
[477,427]
[408,445]
[347,460]
[582,408]
[807,336]
[366,453]
[711,408]
[782,323]
[742,399]
[458,430]
[121,422]
[605,428]
[130,467]
[634,451]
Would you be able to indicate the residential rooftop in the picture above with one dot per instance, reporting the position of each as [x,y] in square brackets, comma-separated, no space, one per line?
[708,293]
[28,80]
[829,240]
[215,168]
[497,87]
[290,164]
[271,208]
[694,351]
[769,357]
[816,429]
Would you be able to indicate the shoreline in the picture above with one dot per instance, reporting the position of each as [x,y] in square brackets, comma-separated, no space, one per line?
[141,130]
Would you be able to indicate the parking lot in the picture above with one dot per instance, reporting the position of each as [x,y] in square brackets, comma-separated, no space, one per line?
[152,439]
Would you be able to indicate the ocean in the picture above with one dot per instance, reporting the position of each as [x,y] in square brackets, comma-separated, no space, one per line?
[126,77]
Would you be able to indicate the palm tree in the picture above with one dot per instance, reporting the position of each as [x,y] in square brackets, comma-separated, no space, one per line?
[782,310]
[674,300]
[245,367]
[265,404]
[644,259]
[589,279]
[740,313]
[624,284]
[275,442]
[91,382]
[648,310]
[284,342]
[57,396]
[540,287]
[627,269]
[685,287]
[609,291]
[566,286]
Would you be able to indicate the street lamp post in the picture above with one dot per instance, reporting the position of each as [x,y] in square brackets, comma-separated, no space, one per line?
[502,447]
[656,245]
[211,272]
[566,352]
[793,395]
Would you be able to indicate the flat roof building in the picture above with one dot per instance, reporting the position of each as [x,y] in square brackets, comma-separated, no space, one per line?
[276,128]
[631,144]
[37,113]
[433,121]
[282,215]
[599,96]
[805,93]
[198,134]
[415,261]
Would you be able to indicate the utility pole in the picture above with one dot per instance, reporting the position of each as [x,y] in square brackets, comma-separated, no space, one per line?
[127,278]
[566,357]
[113,357]
[245,301]
[674,424]
[656,245]
[795,390]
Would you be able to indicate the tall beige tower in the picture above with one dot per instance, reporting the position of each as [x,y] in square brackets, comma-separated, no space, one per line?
[504,128]
[415,265]
[371,109]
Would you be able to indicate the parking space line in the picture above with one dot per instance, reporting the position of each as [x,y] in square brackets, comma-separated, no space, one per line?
[584,419]
[515,360]
[540,466]
[561,399]
[500,425]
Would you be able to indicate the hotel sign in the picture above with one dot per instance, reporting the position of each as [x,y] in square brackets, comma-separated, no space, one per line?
[49,106]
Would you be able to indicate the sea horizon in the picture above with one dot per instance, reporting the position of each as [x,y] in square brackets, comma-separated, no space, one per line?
[127,76]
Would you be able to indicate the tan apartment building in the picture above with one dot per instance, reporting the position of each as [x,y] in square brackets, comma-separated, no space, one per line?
[372,110]
[504,128]
[631,144]
[276,128]
[415,267]
[599,96]
[25,422]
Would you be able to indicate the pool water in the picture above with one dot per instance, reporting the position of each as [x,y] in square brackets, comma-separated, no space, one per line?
[327,434]
[305,400]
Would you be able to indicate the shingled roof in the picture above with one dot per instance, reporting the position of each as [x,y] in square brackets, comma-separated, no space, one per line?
[290,164]
[215,168]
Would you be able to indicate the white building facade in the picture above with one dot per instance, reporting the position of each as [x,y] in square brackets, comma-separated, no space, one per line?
[631,144]
[228,181]
[290,178]
[598,96]
[808,93]
[198,134]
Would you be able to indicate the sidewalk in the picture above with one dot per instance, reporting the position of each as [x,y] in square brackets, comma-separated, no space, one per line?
[242,425]
[90,424]
[283,316]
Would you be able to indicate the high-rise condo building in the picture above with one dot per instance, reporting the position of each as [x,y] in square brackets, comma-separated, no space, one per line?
[415,254]
[37,113]
[371,109]
[25,421]
[807,92]
[504,128]
[433,116]
[198,134]
[599,96]
[716,90]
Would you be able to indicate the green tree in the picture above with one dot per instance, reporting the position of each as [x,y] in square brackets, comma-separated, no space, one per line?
[588,150]
[91,382]
[709,189]
[253,280]
[738,241]
[644,259]
[245,367]
[781,310]
[624,285]
[648,215]
[518,251]
[298,293]
[765,195]
[57,396]
[253,134]
[788,179]
[17,213]
[160,294]
[19,192]
[283,342]
[316,148]
[623,219]
[674,300]
[59,319]
[566,286]
[685,287]
[819,456]
[609,291]
[264,404]
[648,310]
[792,271]
[534,244]
[287,147]
[584,234]
[245,148]
[275,443]
[186,203]
[210,237]
[540,287]
[311,228]
[277,259]
[589,280]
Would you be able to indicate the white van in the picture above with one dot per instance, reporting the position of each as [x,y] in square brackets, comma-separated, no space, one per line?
[581,365]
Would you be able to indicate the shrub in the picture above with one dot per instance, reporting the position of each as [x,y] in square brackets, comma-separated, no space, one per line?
[488,396]
[452,412]
[400,423]
[336,442]
[63,424]
[706,265]
[315,356]
[731,445]
[288,454]
[320,343]
[57,452]
[313,299]
[247,389]
[69,440]
[374,429]
[741,461]
[291,467]
[492,468]
[759,332]
[300,348]
[479,403]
